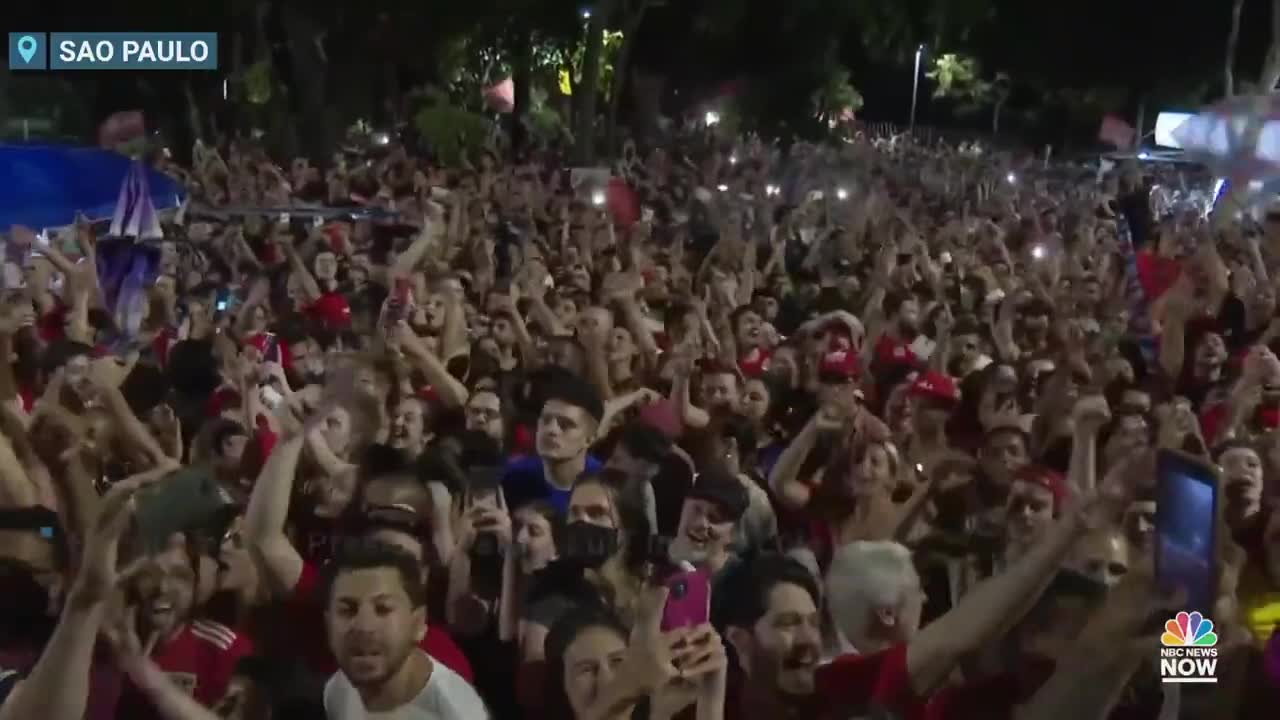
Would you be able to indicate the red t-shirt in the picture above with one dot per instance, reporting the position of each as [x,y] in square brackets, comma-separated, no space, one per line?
[890,351]
[851,686]
[315,646]
[200,659]
[1156,274]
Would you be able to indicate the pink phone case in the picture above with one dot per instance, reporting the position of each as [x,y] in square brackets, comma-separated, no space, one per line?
[688,601]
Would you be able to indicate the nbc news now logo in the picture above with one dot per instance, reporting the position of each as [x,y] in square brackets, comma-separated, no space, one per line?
[1189,654]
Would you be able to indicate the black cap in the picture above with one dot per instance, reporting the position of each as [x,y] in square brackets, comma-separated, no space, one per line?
[725,491]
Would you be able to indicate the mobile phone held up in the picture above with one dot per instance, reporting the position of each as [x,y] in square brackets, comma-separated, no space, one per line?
[1187,508]
[271,350]
[688,600]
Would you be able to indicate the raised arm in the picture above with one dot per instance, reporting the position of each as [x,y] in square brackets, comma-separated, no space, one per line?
[264,522]
[448,388]
[993,604]
[310,288]
[793,493]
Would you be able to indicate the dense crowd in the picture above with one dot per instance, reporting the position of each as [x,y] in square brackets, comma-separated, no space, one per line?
[720,431]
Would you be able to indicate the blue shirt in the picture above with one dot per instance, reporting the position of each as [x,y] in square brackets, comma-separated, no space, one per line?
[525,479]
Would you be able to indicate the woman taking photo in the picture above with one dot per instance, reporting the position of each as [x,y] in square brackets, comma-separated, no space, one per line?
[597,669]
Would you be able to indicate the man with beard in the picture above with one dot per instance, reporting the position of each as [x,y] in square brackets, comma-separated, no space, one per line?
[198,655]
[712,507]
[1033,335]
[376,616]
[392,506]
[721,389]
[769,612]
[903,327]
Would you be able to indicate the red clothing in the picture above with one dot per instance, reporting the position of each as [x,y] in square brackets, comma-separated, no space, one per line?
[200,659]
[890,351]
[331,310]
[1156,274]
[991,698]
[53,325]
[852,686]
[315,645]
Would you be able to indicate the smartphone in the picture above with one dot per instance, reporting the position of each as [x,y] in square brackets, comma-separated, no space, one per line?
[486,550]
[688,600]
[223,301]
[1187,528]
[271,352]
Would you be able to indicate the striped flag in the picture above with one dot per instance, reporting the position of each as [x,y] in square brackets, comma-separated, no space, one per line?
[135,214]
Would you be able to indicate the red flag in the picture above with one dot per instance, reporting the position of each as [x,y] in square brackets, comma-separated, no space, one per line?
[1116,132]
[622,202]
[121,127]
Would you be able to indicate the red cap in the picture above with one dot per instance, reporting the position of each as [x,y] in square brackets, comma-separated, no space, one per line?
[840,365]
[331,311]
[1048,479]
[936,386]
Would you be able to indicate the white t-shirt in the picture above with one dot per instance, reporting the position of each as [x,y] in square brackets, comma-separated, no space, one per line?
[446,696]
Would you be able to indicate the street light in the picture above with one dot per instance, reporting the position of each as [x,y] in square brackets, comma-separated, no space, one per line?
[586,13]
[915,87]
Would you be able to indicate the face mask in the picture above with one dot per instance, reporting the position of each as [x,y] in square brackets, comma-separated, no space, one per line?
[587,545]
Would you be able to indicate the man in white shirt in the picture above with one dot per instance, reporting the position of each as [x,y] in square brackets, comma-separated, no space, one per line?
[376,616]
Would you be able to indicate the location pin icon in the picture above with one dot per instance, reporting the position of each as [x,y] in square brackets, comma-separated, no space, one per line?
[27,48]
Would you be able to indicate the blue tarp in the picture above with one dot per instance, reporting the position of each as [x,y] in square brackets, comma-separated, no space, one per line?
[44,186]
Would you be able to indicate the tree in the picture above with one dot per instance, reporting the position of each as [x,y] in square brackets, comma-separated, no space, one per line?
[633,12]
[959,78]
[1271,66]
[1001,89]
[1233,39]
[835,97]
[585,98]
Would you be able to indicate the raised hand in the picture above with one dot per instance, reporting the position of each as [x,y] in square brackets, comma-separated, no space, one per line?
[98,576]
[1091,413]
